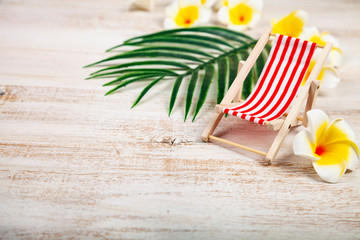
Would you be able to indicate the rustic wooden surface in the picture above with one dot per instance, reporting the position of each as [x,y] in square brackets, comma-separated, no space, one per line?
[76,164]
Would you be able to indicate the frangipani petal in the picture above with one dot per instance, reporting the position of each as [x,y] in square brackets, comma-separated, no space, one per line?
[309,32]
[346,150]
[317,122]
[309,71]
[326,37]
[338,130]
[302,15]
[330,77]
[336,57]
[169,23]
[186,3]
[291,25]
[340,139]
[304,146]
[172,9]
[330,168]
[317,54]
[223,15]
[239,28]
[204,15]
[353,159]
[255,20]
[312,34]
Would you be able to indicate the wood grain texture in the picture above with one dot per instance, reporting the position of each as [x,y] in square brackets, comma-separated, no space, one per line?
[75,164]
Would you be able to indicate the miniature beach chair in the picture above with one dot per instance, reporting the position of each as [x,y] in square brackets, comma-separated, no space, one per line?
[275,92]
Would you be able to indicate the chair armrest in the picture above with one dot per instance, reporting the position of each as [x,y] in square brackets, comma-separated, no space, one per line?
[220,107]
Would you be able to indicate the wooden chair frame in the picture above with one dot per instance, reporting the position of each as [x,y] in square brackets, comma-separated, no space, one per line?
[233,98]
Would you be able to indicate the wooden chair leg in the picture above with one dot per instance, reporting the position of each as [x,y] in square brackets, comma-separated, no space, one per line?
[210,127]
[313,92]
[279,139]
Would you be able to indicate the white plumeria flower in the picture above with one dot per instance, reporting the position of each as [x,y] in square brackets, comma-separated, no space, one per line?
[291,25]
[312,34]
[330,146]
[240,14]
[328,75]
[186,13]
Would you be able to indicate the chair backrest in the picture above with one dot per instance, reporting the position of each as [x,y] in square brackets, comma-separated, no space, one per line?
[279,81]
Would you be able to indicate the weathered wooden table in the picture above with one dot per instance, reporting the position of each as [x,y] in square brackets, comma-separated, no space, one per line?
[76,164]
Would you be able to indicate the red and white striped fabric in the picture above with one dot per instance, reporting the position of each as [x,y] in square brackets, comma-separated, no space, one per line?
[279,81]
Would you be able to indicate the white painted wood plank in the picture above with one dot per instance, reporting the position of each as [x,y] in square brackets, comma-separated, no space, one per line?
[76,164]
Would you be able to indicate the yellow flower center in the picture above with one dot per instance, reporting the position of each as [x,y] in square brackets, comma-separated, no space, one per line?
[309,70]
[332,146]
[319,150]
[203,2]
[328,159]
[187,16]
[225,3]
[290,25]
[241,14]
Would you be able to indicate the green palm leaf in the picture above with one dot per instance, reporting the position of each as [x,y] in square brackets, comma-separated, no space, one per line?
[233,67]
[179,65]
[127,82]
[149,54]
[191,54]
[190,92]
[175,49]
[134,72]
[222,74]
[184,38]
[179,40]
[209,74]
[146,89]
[175,91]
[130,76]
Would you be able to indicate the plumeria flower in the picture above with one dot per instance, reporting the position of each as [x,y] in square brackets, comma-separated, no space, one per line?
[330,145]
[292,25]
[186,13]
[312,34]
[240,14]
[328,75]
